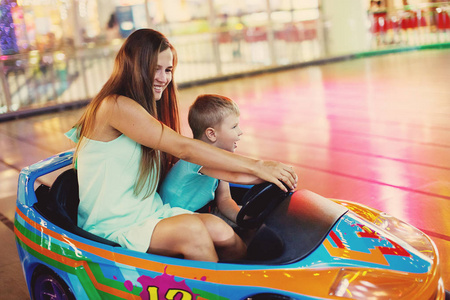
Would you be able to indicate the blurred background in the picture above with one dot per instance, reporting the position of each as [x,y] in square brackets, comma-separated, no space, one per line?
[374,130]
[58,53]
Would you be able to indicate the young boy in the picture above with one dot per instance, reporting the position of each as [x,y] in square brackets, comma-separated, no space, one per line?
[213,119]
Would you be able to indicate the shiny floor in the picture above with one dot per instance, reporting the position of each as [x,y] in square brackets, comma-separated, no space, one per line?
[373,130]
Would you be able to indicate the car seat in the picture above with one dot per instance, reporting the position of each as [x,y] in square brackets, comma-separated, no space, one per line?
[59,204]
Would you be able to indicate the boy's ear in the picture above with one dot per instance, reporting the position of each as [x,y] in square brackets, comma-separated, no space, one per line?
[211,134]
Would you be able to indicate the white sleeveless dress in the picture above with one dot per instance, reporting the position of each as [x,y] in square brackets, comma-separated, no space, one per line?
[107,173]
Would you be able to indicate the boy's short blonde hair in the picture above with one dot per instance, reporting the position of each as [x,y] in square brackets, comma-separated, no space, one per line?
[209,110]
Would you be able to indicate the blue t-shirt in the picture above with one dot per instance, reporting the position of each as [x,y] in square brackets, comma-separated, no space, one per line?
[185,187]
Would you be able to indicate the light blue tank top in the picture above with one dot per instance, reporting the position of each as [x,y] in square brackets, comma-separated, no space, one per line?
[107,172]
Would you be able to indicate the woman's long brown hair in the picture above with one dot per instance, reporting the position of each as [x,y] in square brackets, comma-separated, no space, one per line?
[133,75]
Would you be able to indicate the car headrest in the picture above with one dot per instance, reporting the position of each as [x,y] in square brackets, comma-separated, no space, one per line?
[59,204]
[65,195]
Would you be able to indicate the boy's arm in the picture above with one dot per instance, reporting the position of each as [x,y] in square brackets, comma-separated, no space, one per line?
[234,177]
[227,206]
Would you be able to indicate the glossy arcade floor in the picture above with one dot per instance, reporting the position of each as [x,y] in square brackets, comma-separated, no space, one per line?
[373,130]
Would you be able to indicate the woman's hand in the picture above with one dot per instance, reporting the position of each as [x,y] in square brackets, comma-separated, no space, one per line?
[277,173]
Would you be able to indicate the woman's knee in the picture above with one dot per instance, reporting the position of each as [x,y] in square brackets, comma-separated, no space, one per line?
[195,227]
[218,229]
[228,244]
[189,228]
[196,239]
[183,234]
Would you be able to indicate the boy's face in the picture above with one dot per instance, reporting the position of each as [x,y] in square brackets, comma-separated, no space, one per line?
[228,133]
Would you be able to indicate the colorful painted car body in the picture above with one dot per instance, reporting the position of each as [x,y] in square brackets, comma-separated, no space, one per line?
[334,249]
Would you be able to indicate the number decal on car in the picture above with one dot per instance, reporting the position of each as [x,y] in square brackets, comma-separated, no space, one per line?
[153,294]
[164,287]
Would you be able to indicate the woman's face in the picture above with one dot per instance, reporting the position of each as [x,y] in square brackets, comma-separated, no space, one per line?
[163,75]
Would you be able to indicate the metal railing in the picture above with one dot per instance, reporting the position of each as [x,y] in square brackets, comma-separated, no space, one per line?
[37,81]
[34,81]
[40,81]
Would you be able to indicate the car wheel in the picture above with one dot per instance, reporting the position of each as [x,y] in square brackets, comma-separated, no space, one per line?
[47,285]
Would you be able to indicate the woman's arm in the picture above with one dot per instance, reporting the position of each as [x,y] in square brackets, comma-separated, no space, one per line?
[239,178]
[128,117]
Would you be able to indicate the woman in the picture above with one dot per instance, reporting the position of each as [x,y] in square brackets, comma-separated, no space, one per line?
[126,143]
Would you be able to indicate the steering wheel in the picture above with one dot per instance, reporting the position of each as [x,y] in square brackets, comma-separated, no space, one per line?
[259,201]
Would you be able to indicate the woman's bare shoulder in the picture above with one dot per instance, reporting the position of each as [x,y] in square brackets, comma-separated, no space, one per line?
[124,115]
[115,106]
[122,106]
[104,131]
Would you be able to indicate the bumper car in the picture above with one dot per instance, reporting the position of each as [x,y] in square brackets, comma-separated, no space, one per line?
[297,249]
